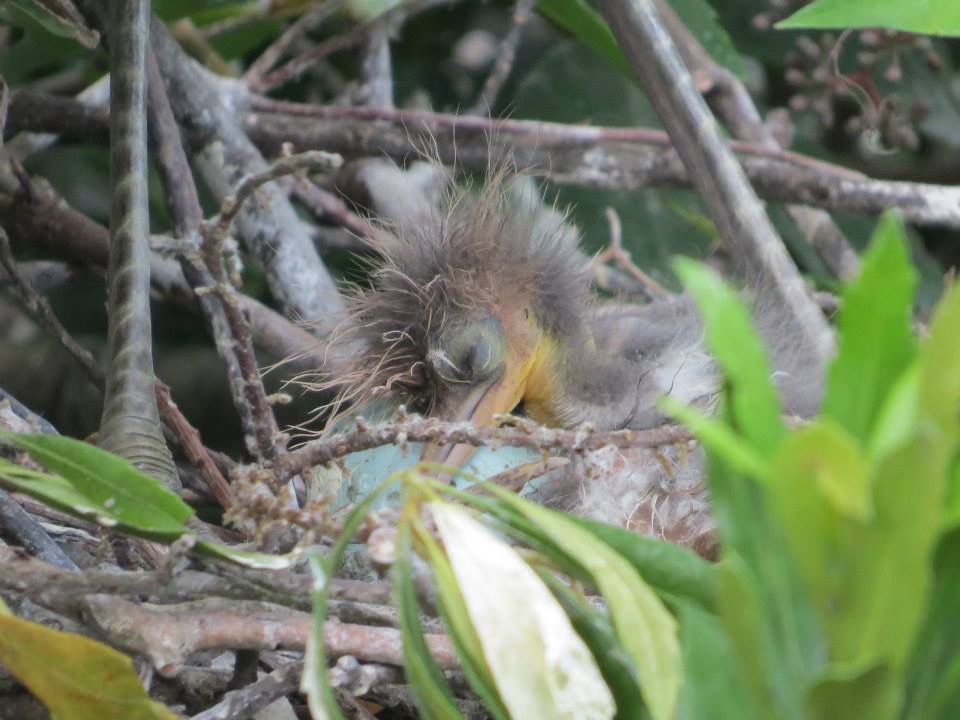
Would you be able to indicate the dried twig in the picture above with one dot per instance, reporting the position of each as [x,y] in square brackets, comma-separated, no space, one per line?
[506,54]
[616,253]
[713,169]
[246,702]
[215,233]
[292,69]
[31,535]
[588,156]
[431,430]
[732,102]
[168,635]
[278,48]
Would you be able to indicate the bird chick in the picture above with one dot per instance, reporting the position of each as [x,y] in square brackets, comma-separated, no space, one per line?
[481,304]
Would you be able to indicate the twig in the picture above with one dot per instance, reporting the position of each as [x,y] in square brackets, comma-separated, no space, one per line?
[31,421]
[615,252]
[727,94]
[276,50]
[216,233]
[713,169]
[168,635]
[40,308]
[506,54]
[430,430]
[588,156]
[293,68]
[31,536]
[271,228]
[583,155]
[36,218]
[187,436]
[248,701]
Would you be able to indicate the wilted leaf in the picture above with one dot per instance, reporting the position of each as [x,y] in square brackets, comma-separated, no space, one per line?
[541,666]
[931,17]
[754,405]
[74,676]
[643,625]
[594,627]
[875,340]
[93,483]
[247,558]
[59,17]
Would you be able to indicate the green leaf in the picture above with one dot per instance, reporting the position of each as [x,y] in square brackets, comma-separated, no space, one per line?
[712,688]
[672,570]
[315,683]
[933,675]
[853,693]
[719,437]
[583,22]
[96,484]
[247,558]
[59,17]
[643,625]
[767,662]
[931,17]
[540,665]
[754,405]
[75,677]
[430,690]
[883,568]
[819,477]
[875,340]
[464,636]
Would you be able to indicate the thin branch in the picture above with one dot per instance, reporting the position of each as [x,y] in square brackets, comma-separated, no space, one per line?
[616,253]
[292,69]
[248,701]
[278,48]
[270,228]
[168,635]
[429,430]
[609,158]
[588,156]
[506,54]
[215,233]
[731,100]
[31,535]
[713,169]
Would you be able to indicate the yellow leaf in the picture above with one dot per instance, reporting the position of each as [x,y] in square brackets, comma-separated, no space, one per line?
[75,677]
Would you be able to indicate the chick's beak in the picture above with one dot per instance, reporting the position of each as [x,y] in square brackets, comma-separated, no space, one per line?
[477,404]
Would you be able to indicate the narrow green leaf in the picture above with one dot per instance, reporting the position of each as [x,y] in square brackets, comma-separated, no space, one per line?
[246,558]
[315,683]
[719,438]
[643,625]
[75,677]
[95,483]
[456,619]
[931,17]
[853,693]
[673,571]
[819,477]
[754,405]
[712,688]
[933,674]
[430,690]
[884,567]
[583,22]
[59,17]
[875,340]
